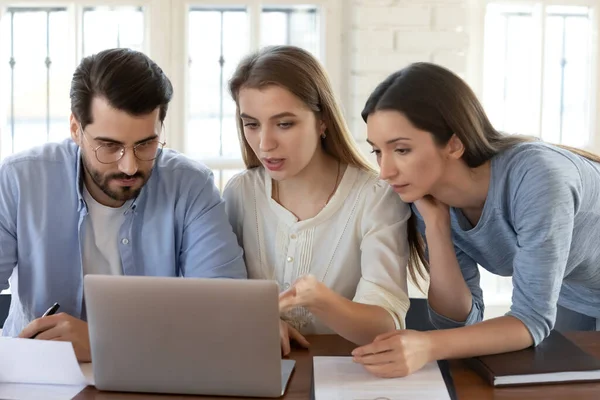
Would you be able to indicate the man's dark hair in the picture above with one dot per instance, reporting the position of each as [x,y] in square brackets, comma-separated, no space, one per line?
[127,79]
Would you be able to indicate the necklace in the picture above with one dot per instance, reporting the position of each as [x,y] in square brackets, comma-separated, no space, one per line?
[335,186]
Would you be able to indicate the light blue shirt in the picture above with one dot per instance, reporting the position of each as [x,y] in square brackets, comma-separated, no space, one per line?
[177,226]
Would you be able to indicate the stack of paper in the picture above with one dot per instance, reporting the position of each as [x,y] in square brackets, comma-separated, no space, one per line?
[40,369]
[339,378]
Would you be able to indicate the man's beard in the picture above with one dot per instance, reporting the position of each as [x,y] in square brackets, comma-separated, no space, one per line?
[124,193]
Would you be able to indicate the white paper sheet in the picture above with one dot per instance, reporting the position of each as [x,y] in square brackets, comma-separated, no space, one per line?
[339,378]
[39,361]
[29,391]
[36,369]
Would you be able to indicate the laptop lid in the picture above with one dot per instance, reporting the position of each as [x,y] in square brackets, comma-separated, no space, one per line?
[184,335]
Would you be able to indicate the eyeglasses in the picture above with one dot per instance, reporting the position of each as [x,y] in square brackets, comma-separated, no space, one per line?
[110,153]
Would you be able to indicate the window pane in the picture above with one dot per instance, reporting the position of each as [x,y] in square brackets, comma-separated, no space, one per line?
[575,126]
[211,128]
[35,105]
[510,84]
[511,93]
[110,27]
[551,116]
[29,79]
[567,76]
[61,73]
[293,25]
[32,70]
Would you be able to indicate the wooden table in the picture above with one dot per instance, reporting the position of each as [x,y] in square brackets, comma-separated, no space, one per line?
[468,384]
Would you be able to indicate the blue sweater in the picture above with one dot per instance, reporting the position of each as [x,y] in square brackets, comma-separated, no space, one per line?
[541,225]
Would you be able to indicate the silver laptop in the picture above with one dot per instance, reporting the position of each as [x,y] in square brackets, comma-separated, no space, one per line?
[186,336]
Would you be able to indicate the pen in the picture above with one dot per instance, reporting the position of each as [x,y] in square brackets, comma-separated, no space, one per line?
[52,310]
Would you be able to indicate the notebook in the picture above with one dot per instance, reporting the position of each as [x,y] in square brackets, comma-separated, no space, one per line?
[555,360]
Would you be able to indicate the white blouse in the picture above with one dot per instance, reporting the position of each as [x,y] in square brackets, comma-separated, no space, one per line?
[356,245]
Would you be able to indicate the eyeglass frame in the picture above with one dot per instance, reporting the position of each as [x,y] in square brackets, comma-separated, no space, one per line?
[124,148]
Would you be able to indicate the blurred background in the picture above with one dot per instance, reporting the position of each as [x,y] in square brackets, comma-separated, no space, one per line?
[532,63]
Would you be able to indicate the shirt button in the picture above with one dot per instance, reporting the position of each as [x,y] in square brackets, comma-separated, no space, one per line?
[290,259]
[286,286]
[293,236]
[125,241]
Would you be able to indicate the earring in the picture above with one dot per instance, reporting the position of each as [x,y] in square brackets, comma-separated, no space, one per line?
[324,135]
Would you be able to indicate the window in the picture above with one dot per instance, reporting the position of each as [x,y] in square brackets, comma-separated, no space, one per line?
[538,73]
[38,56]
[538,70]
[198,44]
[32,71]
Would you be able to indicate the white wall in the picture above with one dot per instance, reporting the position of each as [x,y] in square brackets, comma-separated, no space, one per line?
[387,35]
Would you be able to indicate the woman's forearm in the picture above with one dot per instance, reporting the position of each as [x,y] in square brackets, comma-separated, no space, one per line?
[497,335]
[356,322]
[448,293]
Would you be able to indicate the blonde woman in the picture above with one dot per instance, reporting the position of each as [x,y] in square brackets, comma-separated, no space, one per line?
[309,211]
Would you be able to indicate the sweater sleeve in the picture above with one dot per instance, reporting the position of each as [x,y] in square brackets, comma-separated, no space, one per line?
[544,203]
[470,272]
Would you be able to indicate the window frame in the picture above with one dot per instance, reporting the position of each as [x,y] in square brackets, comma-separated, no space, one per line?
[165,41]
[476,60]
[75,9]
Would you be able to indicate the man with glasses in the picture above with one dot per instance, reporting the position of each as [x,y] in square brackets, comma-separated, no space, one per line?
[110,200]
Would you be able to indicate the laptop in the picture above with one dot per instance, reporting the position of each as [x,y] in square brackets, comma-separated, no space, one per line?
[215,337]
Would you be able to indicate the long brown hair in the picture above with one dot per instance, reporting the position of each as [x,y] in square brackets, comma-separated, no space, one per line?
[436,100]
[299,72]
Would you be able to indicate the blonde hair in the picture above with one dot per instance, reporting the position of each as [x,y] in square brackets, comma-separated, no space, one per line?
[299,72]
